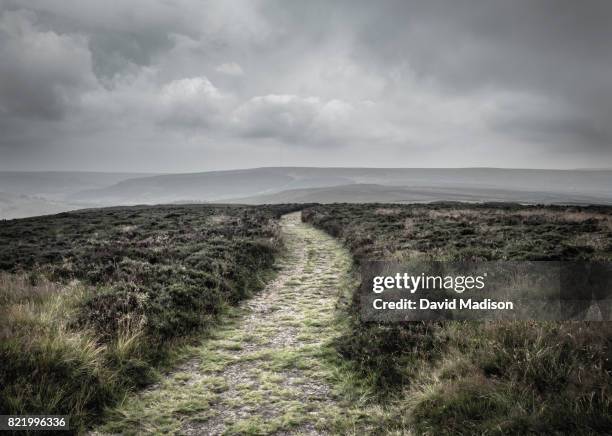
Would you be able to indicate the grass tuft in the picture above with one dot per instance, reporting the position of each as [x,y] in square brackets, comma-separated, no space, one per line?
[92,303]
[479,377]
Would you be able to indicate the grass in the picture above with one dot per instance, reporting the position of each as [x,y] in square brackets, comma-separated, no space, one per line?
[47,365]
[285,376]
[92,303]
[471,377]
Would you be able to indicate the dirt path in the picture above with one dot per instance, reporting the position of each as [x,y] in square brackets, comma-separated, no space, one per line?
[269,369]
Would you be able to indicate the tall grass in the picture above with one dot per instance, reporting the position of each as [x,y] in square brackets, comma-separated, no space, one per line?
[47,366]
[468,378]
[94,302]
[514,378]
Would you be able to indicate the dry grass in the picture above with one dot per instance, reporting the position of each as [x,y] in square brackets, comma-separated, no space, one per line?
[480,377]
[49,367]
[21,288]
[386,211]
[128,285]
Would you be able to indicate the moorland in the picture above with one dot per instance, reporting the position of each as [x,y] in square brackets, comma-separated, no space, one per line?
[92,302]
[24,194]
[98,304]
[479,377]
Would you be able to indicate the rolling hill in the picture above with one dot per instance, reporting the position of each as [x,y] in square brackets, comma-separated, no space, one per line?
[371,193]
[22,206]
[295,184]
[58,184]
[36,193]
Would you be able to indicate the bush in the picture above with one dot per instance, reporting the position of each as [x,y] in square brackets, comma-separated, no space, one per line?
[480,378]
[149,277]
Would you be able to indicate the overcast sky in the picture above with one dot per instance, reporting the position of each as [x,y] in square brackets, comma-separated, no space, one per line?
[193,85]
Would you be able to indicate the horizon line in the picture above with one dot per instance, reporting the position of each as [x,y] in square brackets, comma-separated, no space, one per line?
[161,173]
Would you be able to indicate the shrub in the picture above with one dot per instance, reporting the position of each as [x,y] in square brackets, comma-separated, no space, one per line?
[149,278]
[480,378]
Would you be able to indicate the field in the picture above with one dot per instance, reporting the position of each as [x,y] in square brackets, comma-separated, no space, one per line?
[480,378]
[92,302]
[97,304]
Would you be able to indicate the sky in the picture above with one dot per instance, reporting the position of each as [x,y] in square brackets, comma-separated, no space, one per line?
[196,85]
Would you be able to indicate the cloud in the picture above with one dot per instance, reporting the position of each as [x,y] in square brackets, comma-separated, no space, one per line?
[42,72]
[552,50]
[285,117]
[313,121]
[231,69]
[192,83]
[294,119]
[190,102]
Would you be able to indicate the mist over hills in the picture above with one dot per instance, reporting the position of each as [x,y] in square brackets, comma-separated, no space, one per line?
[265,182]
[56,191]
[371,193]
[22,206]
[31,193]
[58,184]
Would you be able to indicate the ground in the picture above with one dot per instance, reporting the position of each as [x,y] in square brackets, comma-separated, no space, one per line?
[270,367]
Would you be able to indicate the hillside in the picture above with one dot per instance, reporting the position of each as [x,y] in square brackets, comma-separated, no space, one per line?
[471,184]
[57,185]
[34,193]
[21,206]
[371,193]
[251,315]
[24,194]
[91,302]
[498,377]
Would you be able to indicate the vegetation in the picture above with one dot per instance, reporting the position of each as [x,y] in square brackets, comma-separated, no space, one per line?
[91,302]
[470,377]
[270,366]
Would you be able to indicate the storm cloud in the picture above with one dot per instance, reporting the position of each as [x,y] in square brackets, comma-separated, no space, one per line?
[191,85]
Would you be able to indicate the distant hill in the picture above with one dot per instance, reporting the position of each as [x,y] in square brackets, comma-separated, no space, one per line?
[57,184]
[263,183]
[22,206]
[181,187]
[32,193]
[369,193]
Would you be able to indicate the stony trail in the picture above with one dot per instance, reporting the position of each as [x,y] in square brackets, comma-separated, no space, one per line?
[268,369]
